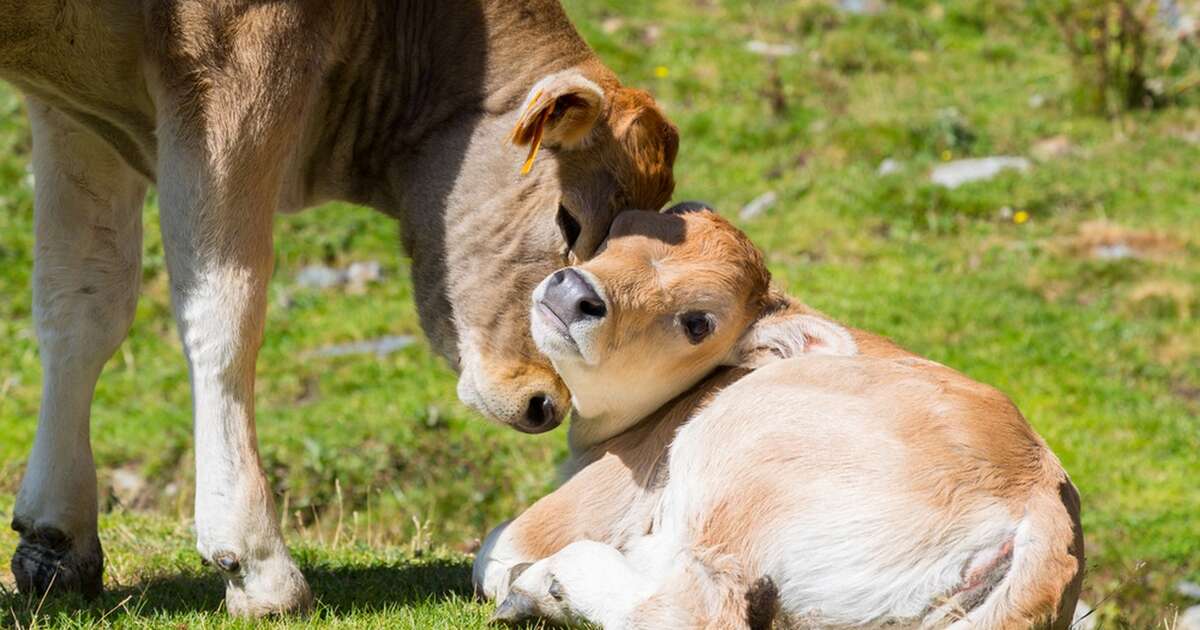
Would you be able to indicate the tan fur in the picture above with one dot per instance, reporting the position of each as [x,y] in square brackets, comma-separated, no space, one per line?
[611,487]
[962,446]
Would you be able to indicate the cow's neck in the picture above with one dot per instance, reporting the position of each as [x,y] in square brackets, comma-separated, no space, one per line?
[403,75]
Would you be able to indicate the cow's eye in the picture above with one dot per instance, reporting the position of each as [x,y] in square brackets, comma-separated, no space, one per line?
[696,325]
[568,226]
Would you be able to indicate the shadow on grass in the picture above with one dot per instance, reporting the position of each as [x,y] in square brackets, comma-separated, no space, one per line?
[341,590]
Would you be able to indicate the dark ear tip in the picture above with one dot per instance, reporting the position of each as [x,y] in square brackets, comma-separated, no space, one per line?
[689,206]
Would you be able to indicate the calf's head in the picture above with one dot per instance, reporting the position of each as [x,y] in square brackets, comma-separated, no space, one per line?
[543,192]
[669,298]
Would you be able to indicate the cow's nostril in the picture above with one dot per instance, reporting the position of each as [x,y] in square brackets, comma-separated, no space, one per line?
[539,412]
[592,308]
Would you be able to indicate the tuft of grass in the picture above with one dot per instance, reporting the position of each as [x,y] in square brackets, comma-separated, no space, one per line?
[384,480]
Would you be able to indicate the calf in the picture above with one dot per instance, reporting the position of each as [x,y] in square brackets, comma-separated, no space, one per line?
[739,459]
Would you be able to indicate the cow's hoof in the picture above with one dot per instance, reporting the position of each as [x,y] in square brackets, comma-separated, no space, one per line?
[272,587]
[47,560]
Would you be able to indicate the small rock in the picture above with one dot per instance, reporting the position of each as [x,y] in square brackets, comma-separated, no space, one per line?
[651,34]
[1114,251]
[358,275]
[379,347]
[1051,148]
[861,7]
[758,205]
[889,166]
[318,277]
[127,486]
[1083,619]
[355,278]
[1188,589]
[958,172]
[770,50]
[1179,19]
[1103,240]
[1189,620]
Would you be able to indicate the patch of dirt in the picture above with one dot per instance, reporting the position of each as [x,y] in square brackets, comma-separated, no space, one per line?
[1168,298]
[1186,391]
[1104,240]
[1178,348]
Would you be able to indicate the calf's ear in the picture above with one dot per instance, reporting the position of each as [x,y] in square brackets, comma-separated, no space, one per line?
[560,111]
[787,329]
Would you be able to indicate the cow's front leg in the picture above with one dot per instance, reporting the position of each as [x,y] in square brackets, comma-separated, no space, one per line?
[217,238]
[228,131]
[88,224]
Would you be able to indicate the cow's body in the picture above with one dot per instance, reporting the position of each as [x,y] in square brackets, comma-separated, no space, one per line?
[237,110]
[870,488]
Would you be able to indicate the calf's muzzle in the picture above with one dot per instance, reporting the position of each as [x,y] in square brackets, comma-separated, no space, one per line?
[571,298]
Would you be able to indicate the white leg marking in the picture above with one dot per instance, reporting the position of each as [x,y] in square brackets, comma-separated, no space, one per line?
[216,220]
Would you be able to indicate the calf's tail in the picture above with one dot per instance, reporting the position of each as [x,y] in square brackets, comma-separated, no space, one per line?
[1043,582]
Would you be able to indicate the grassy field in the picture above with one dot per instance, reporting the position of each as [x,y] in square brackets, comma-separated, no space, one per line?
[1073,287]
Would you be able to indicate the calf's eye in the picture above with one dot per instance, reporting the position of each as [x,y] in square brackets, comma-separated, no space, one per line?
[696,325]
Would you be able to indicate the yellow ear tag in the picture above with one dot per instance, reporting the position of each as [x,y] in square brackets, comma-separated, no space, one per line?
[537,142]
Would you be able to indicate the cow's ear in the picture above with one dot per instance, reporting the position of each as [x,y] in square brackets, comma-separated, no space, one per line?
[560,111]
[787,329]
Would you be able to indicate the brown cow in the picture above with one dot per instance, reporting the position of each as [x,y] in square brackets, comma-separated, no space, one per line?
[478,124]
[741,458]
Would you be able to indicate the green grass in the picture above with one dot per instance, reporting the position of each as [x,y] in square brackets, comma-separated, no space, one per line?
[1103,357]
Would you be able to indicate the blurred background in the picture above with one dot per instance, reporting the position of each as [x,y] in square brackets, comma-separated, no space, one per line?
[1011,187]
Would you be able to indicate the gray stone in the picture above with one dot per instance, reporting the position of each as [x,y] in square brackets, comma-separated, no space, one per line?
[379,347]
[358,275]
[861,7]
[127,486]
[889,166]
[959,172]
[355,277]
[758,205]
[1188,589]
[1083,619]
[1115,251]
[318,277]
[771,50]
[1189,620]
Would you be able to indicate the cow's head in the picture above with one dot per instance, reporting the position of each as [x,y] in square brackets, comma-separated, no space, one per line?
[547,178]
[669,298]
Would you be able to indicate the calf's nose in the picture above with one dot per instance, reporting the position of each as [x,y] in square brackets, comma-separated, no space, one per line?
[572,298]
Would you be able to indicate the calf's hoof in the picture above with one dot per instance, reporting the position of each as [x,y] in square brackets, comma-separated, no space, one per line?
[273,586]
[47,560]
